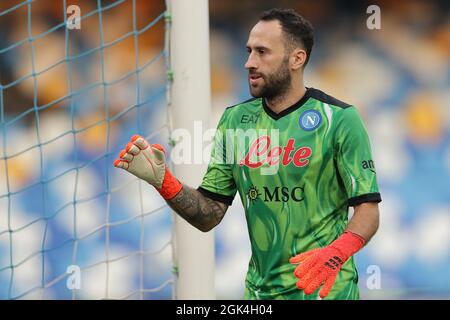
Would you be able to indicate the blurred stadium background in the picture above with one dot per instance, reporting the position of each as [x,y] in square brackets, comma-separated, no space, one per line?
[60,184]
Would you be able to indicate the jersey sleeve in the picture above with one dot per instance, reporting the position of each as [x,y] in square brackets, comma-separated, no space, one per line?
[218,182]
[354,159]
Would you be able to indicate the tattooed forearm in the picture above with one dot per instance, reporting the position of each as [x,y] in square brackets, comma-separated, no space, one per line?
[200,211]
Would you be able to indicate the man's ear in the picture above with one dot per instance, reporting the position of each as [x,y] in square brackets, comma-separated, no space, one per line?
[298,58]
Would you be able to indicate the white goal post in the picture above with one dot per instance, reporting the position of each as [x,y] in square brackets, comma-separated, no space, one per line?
[191,101]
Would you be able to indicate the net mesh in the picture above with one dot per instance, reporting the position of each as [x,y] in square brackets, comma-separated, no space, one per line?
[69,100]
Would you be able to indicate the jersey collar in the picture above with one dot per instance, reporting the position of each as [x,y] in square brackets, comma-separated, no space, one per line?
[292,108]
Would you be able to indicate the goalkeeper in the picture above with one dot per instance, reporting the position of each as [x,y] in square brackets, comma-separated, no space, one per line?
[296,190]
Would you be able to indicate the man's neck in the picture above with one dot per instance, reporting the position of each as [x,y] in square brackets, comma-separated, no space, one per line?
[281,103]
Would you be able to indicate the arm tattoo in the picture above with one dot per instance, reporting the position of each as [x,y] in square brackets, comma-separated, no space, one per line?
[200,211]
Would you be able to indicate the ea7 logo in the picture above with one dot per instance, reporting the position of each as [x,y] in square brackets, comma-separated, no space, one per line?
[368,164]
[248,118]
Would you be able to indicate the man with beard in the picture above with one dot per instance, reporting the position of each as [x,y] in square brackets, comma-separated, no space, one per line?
[298,158]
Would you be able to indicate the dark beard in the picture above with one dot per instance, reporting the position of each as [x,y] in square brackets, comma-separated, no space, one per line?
[276,84]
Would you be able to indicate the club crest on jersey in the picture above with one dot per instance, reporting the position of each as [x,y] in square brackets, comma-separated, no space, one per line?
[310,120]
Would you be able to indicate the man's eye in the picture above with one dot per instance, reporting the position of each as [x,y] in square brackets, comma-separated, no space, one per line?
[261,51]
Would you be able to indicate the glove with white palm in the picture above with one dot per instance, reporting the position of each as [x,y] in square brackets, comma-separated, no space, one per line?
[147,162]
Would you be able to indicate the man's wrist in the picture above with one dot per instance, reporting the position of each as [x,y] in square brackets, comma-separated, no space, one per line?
[170,186]
[348,243]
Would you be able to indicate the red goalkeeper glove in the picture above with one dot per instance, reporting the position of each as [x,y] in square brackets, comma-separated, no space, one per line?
[322,265]
[147,162]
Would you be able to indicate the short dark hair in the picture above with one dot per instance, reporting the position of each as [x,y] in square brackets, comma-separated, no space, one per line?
[297,30]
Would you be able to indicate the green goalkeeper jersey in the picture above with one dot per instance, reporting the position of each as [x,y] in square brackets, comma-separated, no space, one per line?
[297,172]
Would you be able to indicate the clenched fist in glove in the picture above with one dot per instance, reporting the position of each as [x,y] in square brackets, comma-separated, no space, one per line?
[147,162]
[322,265]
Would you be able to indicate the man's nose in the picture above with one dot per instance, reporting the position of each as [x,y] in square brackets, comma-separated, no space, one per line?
[251,63]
